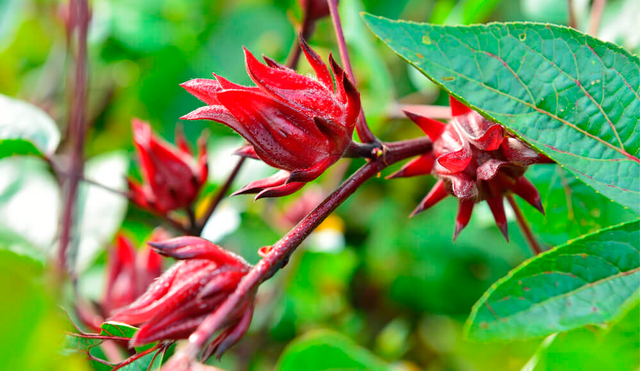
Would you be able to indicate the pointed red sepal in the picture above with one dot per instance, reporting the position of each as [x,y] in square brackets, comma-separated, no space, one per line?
[517,152]
[432,128]
[247,151]
[181,141]
[462,186]
[338,74]
[496,204]
[491,139]
[419,166]
[273,64]
[139,195]
[436,194]
[353,102]
[257,186]
[280,191]
[528,192]
[230,336]
[490,168]
[335,133]
[457,108]
[150,262]
[307,175]
[228,85]
[465,209]
[306,94]
[189,247]
[225,280]
[204,89]
[203,161]
[319,67]
[216,113]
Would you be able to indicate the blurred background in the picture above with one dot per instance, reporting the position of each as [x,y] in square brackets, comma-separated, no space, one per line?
[370,277]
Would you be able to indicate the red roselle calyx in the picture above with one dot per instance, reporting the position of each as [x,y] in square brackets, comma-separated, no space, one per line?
[172,176]
[177,302]
[474,160]
[129,273]
[295,123]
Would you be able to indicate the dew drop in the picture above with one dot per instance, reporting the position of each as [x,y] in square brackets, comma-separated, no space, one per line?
[522,37]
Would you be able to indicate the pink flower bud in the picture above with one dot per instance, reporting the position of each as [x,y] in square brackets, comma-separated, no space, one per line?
[475,160]
[172,176]
[295,123]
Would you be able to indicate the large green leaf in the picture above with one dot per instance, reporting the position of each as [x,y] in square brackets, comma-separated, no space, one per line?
[586,281]
[325,350]
[32,326]
[591,349]
[571,96]
[572,209]
[25,129]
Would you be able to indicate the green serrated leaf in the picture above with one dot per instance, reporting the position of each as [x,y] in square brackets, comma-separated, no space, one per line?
[586,281]
[572,209]
[25,129]
[571,96]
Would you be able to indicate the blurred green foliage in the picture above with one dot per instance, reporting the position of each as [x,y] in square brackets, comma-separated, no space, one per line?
[394,295]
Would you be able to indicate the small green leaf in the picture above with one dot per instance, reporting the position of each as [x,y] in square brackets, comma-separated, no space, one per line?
[326,350]
[118,329]
[571,96]
[25,129]
[587,281]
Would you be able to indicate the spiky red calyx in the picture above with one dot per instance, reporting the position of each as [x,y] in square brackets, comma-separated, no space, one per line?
[172,177]
[475,160]
[295,123]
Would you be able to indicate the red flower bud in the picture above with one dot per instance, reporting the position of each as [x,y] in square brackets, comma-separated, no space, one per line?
[172,177]
[475,160]
[129,273]
[295,123]
[177,302]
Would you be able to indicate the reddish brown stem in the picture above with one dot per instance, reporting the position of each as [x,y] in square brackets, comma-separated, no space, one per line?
[281,251]
[77,128]
[136,356]
[596,15]
[306,30]
[524,226]
[364,133]
[572,15]
[220,195]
